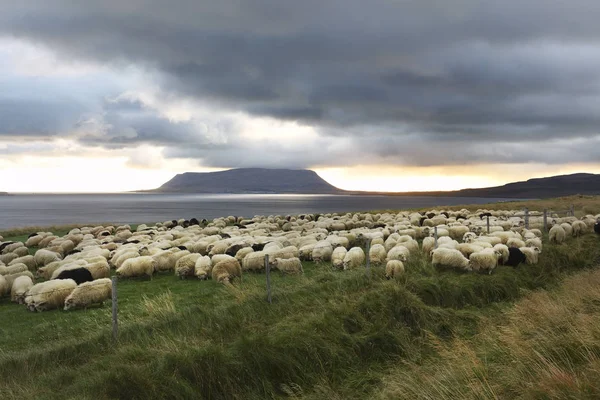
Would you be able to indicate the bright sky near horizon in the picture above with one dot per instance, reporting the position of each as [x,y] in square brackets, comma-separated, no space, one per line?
[110,96]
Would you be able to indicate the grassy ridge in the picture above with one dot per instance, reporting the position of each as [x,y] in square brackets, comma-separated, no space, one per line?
[336,330]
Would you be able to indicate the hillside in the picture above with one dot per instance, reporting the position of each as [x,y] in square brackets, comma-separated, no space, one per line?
[249,180]
[554,186]
[261,180]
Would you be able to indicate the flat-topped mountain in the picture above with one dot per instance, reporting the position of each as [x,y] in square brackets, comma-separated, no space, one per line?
[250,180]
[303,181]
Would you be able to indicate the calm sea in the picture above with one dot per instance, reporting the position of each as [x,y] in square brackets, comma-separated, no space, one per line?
[57,209]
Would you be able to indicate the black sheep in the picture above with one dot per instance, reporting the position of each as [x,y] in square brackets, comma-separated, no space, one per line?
[194,221]
[79,275]
[233,249]
[515,257]
[485,215]
[597,228]
[258,246]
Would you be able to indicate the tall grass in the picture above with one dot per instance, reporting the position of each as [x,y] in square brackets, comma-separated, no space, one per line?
[326,332]
[549,347]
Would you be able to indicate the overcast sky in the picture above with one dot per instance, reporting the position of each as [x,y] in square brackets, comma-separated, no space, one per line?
[383,95]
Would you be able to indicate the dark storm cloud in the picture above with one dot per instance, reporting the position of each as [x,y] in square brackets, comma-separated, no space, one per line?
[408,82]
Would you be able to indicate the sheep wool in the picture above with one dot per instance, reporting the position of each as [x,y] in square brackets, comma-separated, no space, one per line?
[48,295]
[503,249]
[557,234]
[322,251]
[377,254]
[399,252]
[485,260]
[394,269]
[450,258]
[354,258]
[186,265]
[88,293]
[140,266]
[203,267]
[531,254]
[44,257]
[514,242]
[288,265]
[534,242]
[13,269]
[428,245]
[98,269]
[337,257]
[225,271]
[19,289]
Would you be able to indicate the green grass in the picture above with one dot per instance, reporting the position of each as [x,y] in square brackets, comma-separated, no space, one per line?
[328,333]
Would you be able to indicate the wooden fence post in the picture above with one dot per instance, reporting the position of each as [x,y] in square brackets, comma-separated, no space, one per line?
[435,236]
[526,218]
[545,220]
[368,271]
[488,224]
[268,270]
[115,322]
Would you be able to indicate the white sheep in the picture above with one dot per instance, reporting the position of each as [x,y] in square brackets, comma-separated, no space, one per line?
[534,242]
[243,252]
[220,257]
[48,295]
[568,229]
[88,293]
[98,269]
[354,258]
[514,242]
[557,234]
[337,257]
[492,240]
[186,265]
[468,248]
[398,252]
[140,266]
[225,271]
[450,258]
[44,257]
[579,228]
[503,249]
[12,277]
[428,245]
[27,260]
[377,254]
[203,267]
[322,251]
[254,261]
[485,260]
[394,269]
[288,265]
[458,232]
[19,288]
[531,254]
[13,269]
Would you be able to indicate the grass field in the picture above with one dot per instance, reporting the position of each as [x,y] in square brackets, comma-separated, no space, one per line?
[528,332]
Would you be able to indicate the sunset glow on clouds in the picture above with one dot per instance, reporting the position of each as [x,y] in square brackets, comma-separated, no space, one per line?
[380,96]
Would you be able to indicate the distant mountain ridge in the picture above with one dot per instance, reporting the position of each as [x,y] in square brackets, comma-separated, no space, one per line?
[553,186]
[263,180]
[250,180]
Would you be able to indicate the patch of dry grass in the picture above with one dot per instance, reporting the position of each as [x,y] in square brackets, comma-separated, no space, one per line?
[549,347]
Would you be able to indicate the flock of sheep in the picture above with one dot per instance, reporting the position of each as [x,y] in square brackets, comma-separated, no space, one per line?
[74,271]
